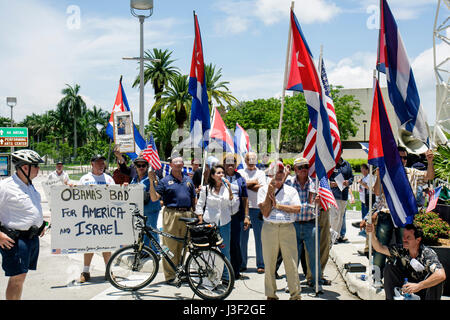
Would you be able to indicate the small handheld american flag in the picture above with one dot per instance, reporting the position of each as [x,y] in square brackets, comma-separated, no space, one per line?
[325,194]
[151,154]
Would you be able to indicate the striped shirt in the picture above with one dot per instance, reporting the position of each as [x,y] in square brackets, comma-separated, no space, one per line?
[306,212]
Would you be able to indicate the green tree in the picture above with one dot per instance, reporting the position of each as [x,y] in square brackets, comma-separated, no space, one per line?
[158,72]
[162,133]
[72,105]
[218,90]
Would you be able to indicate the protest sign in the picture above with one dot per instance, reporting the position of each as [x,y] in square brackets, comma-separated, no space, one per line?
[94,218]
[123,131]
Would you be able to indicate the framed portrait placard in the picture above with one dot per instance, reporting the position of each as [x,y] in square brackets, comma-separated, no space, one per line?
[123,131]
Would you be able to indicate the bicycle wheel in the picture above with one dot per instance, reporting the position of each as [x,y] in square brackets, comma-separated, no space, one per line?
[131,270]
[209,274]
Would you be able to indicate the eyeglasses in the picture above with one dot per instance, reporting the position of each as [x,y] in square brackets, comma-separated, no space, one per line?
[141,166]
[305,166]
[404,157]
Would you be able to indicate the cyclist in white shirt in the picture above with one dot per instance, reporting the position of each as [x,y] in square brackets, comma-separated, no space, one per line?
[21,221]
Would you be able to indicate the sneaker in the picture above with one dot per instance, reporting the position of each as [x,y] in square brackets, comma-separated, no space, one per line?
[326,282]
[342,240]
[85,277]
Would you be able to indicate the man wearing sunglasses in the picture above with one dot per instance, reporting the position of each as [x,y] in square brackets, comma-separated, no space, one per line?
[21,221]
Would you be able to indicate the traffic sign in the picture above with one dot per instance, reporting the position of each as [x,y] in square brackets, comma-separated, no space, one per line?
[13,137]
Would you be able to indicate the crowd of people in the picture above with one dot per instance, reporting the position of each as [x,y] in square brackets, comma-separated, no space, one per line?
[279,203]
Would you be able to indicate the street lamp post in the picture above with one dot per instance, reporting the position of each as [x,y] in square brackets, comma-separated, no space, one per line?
[141,5]
[11,102]
[364,122]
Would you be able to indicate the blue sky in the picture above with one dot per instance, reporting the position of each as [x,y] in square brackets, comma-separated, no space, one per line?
[44,47]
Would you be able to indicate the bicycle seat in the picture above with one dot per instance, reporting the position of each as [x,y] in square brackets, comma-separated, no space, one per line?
[188,220]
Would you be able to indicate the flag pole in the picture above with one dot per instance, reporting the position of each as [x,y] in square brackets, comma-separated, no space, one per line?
[369,220]
[283,92]
[205,152]
[317,207]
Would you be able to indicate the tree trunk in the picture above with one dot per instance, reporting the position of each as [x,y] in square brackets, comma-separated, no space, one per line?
[74,136]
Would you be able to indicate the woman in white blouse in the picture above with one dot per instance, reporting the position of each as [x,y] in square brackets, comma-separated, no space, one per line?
[215,205]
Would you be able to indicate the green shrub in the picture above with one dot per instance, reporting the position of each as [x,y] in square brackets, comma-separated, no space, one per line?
[356,164]
[433,227]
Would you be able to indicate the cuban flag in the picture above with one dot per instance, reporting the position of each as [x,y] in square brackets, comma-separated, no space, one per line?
[383,153]
[303,75]
[121,105]
[219,133]
[393,60]
[241,144]
[200,117]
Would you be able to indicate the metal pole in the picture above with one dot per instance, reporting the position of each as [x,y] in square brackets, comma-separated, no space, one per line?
[12,148]
[317,240]
[205,152]
[141,91]
[278,146]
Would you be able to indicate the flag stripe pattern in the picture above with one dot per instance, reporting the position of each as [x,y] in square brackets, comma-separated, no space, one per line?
[302,69]
[220,133]
[309,149]
[200,117]
[241,144]
[393,60]
[121,105]
[151,154]
[383,153]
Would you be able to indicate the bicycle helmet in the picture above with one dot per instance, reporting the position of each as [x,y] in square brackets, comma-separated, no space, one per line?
[25,156]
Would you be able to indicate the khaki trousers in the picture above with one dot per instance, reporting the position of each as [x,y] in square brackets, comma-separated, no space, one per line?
[275,237]
[337,215]
[325,235]
[177,228]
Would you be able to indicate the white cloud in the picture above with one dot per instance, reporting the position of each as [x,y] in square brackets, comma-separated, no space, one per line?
[402,9]
[241,14]
[40,54]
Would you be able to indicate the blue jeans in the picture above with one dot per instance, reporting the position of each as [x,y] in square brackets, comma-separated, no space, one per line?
[257,227]
[152,220]
[306,234]
[343,228]
[364,210]
[385,230]
[225,233]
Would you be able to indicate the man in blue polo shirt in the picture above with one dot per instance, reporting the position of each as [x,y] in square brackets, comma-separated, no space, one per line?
[177,192]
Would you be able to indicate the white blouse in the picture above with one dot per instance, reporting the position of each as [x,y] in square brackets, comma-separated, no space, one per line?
[218,206]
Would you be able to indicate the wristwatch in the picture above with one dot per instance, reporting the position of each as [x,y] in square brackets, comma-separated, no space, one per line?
[248,217]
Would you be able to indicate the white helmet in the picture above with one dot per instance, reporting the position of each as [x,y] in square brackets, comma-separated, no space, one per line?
[26,156]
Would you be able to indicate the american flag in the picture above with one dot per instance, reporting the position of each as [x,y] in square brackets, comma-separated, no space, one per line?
[309,151]
[151,154]
[325,194]
[434,197]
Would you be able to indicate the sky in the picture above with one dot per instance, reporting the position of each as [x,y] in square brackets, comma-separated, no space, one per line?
[47,44]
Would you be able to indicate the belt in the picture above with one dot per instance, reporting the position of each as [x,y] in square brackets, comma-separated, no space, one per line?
[178,208]
[304,222]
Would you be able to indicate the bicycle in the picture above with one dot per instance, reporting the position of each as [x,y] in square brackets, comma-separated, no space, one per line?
[208,272]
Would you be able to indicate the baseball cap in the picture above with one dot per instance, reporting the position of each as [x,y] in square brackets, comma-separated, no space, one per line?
[301,162]
[97,157]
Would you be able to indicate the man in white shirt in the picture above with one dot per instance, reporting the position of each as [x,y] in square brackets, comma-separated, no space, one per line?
[21,221]
[59,174]
[96,176]
[279,203]
[255,179]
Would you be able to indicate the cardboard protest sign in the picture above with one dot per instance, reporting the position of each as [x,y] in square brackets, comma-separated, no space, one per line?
[93,218]
[123,131]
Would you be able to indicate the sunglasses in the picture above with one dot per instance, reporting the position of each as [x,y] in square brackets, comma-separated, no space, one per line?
[141,166]
[404,157]
[305,166]
[35,165]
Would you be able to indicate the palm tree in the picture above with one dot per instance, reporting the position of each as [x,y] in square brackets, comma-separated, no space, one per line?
[217,90]
[176,100]
[72,104]
[158,72]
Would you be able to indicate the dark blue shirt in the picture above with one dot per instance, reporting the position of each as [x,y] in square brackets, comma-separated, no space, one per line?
[151,206]
[346,169]
[175,193]
[237,179]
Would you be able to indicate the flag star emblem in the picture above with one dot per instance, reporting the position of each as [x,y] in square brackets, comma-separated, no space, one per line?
[117,108]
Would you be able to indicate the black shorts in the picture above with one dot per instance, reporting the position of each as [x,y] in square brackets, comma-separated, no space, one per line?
[20,258]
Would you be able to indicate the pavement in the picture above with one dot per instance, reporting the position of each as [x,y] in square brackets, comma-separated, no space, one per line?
[56,277]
